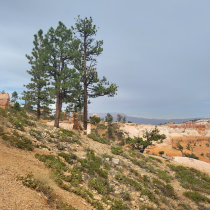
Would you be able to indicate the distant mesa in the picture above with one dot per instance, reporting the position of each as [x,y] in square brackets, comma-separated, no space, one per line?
[4,100]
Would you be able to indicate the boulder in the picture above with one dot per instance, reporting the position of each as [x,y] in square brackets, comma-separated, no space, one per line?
[4,100]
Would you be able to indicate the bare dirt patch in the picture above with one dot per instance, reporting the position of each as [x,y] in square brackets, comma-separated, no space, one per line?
[14,195]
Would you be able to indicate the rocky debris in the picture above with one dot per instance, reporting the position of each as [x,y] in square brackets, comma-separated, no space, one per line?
[167,157]
[4,100]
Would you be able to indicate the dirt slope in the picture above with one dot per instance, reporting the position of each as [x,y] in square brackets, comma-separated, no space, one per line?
[14,195]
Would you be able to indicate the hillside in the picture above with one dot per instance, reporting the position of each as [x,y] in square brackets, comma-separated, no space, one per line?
[43,167]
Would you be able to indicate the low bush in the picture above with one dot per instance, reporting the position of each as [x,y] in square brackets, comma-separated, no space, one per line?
[99,139]
[150,195]
[126,196]
[37,185]
[17,140]
[161,152]
[101,185]
[117,150]
[67,132]
[191,178]
[191,156]
[68,157]
[92,164]
[125,180]
[105,155]
[167,189]
[3,112]
[118,205]
[196,197]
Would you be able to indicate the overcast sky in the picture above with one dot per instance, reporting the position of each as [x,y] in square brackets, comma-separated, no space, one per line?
[156,51]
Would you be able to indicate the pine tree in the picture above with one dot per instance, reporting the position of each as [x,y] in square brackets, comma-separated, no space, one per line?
[61,48]
[109,120]
[14,97]
[87,62]
[37,93]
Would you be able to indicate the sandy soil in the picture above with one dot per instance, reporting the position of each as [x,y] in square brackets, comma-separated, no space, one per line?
[15,196]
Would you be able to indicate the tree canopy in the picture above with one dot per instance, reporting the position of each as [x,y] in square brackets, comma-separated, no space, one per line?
[86,64]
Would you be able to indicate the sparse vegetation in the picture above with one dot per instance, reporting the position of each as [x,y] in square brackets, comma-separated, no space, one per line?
[99,174]
[98,139]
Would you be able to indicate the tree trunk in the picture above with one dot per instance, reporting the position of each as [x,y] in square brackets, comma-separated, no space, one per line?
[85,107]
[85,87]
[38,104]
[142,148]
[38,110]
[58,109]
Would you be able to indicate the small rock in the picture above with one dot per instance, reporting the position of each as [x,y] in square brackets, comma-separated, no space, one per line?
[133,203]
[155,206]
[115,161]
[117,192]
[96,197]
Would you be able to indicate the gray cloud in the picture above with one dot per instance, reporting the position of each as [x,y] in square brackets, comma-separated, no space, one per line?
[157,52]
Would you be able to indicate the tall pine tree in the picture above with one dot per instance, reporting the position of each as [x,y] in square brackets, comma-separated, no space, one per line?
[37,93]
[61,48]
[92,86]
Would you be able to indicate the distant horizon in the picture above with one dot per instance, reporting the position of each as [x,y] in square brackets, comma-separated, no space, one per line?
[146,117]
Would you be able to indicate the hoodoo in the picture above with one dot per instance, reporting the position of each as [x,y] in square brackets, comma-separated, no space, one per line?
[4,100]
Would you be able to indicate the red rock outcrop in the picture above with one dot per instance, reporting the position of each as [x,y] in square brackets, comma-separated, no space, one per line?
[4,100]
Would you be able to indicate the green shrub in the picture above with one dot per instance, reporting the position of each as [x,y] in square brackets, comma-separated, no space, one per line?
[125,180]
[105,155]
[68,157]
[92,164]
[126,196]
[101,185]
[25,143]
[107,166]
[65,206]
[167,189]
[150,195]
[3,112]
[37,185]
[117,150]
[134,171]
[67,132]
[98,205]
[17,106]
[75,178]
[191,156]
[196,197]
[161,152]
[184,206]
[118,205]
[164,175]
[52,162]
[17,140]
[191,178]
[98,139]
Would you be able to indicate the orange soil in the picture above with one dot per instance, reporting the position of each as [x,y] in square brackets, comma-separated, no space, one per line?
[201,147]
